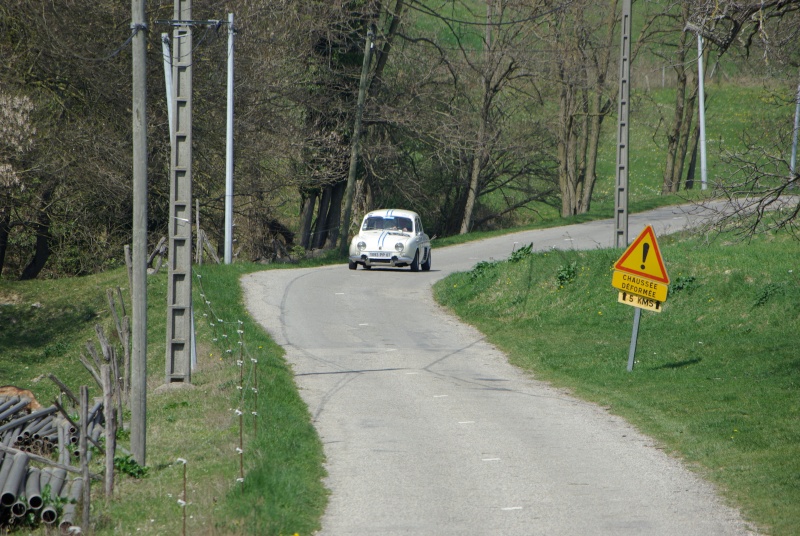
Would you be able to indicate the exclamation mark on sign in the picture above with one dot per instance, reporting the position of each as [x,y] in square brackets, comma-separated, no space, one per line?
[645,249]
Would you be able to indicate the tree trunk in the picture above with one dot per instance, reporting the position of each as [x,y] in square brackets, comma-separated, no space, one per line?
[5,230]
[306,217]
[581,146]
[42,248]
[693,161]
[669,185]
[474,180]
[597,108]
[479,158]
[686,128]
[598,113]
[334,221]
[321,229]
[673,136]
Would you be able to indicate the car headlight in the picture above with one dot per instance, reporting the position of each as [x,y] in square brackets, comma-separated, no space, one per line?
[361,246]
[399,246]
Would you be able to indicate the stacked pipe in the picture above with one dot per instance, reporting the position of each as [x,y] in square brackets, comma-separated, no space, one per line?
[26,489]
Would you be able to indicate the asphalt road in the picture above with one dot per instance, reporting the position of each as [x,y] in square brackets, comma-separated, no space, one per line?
[428,430]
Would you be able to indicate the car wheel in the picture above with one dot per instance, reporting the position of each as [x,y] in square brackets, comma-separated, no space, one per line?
[415,262]
[427,264]
[352,265]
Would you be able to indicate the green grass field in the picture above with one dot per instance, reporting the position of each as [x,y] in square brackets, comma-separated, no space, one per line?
[44,327]
[717,372]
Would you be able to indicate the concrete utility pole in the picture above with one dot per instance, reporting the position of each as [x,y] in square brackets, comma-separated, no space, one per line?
[179,290]
[139,271]
[621,191]
[351,176]
[229,151]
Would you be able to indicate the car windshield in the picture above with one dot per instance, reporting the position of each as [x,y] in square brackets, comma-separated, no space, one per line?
[377,223]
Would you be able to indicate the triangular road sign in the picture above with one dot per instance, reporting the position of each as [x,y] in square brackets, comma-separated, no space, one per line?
[643,258]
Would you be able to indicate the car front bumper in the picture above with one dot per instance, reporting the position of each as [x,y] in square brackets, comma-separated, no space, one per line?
[395,259]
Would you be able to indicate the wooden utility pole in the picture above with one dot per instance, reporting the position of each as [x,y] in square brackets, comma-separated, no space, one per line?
[139,263]
[351,176]
[621,190]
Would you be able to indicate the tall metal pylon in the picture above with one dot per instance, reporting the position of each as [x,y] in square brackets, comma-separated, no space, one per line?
[179,290]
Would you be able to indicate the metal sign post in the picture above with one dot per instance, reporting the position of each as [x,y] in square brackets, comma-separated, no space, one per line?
[634,336]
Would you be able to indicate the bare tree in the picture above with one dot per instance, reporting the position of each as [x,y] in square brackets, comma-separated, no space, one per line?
[761,195]
[580,36]
[480,115]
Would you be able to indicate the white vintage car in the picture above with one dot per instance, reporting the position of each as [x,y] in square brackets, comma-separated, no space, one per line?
[391,237]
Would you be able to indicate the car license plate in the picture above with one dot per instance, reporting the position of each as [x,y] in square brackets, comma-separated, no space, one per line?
[379,254]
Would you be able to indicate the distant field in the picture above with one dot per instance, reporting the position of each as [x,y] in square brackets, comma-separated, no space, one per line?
[733,111]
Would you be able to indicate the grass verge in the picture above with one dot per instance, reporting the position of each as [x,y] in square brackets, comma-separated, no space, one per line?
[716,374]
[45,324]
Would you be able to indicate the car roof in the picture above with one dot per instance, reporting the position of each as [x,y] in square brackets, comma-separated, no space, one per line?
[391,213]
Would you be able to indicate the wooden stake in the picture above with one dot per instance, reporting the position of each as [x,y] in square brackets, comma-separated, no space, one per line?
[84,451]
[110,429]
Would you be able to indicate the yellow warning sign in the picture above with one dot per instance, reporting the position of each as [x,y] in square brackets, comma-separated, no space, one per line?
[633,284]
[643,258]
[639,301]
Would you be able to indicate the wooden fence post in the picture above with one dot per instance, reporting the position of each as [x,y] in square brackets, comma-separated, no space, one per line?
[110,429]
[84,455]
